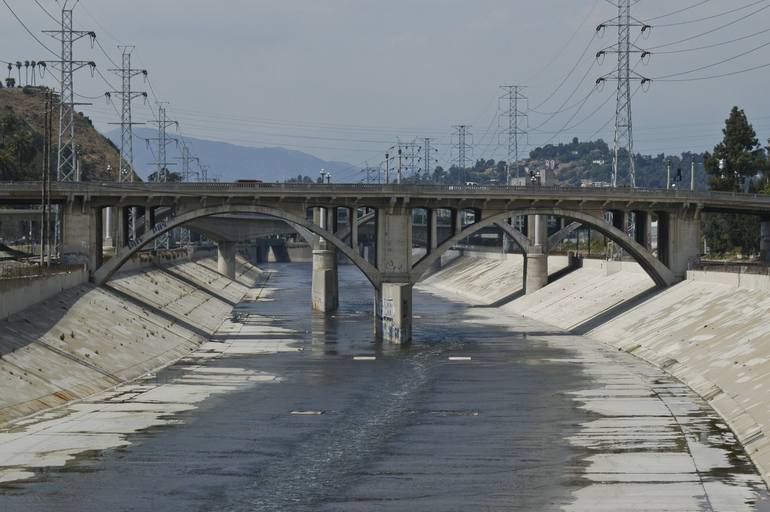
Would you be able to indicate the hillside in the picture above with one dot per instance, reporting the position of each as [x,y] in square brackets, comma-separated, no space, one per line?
[576,162]
[21,139]
[230,162]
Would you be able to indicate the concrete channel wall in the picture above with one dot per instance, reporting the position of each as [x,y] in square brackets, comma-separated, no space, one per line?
[711,331]
[20,293]
[87,339]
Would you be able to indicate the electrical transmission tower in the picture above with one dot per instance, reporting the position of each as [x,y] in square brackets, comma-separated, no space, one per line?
[162,172]
[427,159]
[163,141]
[127,95]
[515,127]
[463,140]
[624,75]
[66,163]
[186,160]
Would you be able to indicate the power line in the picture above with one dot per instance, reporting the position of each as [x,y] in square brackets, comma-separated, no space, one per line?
[569,42]
[568,75]
[711,31]
[27,28]
[715,45]
[46,10]
[712,77]
[701,68]
[677,11]
[713,16]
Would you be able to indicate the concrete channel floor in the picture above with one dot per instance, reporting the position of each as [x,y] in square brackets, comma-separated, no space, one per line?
[650,443]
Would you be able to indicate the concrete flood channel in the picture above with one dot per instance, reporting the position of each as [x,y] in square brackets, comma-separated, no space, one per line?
[284,410]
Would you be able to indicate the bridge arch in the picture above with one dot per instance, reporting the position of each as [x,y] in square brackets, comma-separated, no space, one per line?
[660,274]
[106,271]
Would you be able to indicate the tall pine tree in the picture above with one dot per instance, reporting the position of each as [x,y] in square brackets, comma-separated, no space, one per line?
[741,152]
[743,158]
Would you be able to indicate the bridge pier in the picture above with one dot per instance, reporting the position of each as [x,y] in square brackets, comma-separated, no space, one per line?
[82,236]
[394,260]
[396,312]
[226,258]
[642,228]
[536,269]
[679,239]
[325,280]
[764,240]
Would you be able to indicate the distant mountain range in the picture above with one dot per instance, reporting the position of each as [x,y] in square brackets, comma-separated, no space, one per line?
[229,162]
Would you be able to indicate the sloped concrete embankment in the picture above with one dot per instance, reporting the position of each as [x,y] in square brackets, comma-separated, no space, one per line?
[88,339]
[711,331]
[486,278]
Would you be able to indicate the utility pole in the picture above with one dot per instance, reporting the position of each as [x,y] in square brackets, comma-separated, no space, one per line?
[668,174]
[398,172]
[464,142]
[692,175]
[624,139]
[516,122]
[387,168]
[66,164]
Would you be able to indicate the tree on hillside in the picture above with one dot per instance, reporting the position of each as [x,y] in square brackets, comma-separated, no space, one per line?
[166,177]
[740,154]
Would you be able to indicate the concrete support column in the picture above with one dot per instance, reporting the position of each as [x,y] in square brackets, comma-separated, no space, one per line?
[679,239]
[396,309]
[764,240]
[149,219]
[432,228]
[457,221]
[620,220]
[82,236]
[353,220]
[433,236]
[226,258]
[325,283]
[394,260]
[642,228]
[108,227]
[536,269]
[122,220]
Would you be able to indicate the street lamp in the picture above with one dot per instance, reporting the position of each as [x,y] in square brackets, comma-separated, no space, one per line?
[323,175]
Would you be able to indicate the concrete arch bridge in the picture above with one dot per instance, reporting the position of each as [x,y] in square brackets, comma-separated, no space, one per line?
[393,270]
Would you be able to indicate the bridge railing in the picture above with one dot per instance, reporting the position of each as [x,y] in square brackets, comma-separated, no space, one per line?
[416,189]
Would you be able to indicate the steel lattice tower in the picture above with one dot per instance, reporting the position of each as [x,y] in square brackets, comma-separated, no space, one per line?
[428,149]
[163,141]
[515,117]
[66,164]
[127,95]
[624,75]
[463,141]
[186,160]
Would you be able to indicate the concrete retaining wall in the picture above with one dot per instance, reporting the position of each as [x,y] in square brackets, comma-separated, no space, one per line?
[711,331]
[87,339]
[19,294]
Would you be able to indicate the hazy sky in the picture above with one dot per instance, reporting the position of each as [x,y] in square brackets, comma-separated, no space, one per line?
[343,78]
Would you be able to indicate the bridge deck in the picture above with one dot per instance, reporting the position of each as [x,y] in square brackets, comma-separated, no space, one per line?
[437,196]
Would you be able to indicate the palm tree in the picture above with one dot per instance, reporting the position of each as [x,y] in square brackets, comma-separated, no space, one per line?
[10,69]
[33,64]
[18,67]
[26,72]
